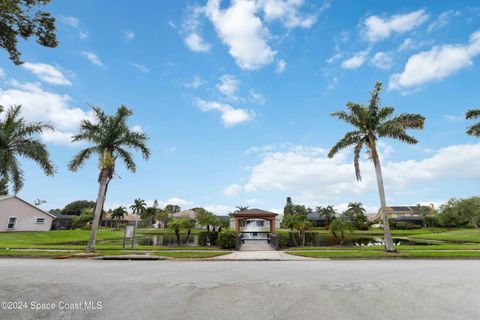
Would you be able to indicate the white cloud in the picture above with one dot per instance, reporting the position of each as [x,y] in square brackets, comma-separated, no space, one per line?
[443,20]
[196,82]
[243,32]
[356,61]
[228,86]
[287,12]
[281,66]
[74,22]
[71,21]
[196,43]
[128,35]
[232,190]
[92,57]
[47,73]
[230,115]
[377,28]
[256,97]
[83,35]
[332,84]
[40,105]
[436,64]
[308,172]
[191,29]
[141,67]
[382,60]
[219,209]
[411,44]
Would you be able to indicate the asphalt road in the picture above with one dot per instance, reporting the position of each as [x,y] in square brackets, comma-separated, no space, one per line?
[393,289]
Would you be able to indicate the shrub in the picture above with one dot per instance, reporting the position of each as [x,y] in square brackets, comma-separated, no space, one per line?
[204,237]
[283,239]
[401,225]
[227,239]
[363,227]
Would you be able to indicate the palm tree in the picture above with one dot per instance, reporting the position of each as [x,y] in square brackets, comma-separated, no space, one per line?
[372,122]
[473,130]
[149,215]
[18,139]
[138,206]
[118,214]
[111,138]
[327,213]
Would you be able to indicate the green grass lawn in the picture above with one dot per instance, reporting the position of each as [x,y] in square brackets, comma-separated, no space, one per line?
[33,253]
[373,254]
[456,235]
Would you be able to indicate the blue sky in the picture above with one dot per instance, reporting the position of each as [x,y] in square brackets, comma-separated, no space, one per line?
[236,98]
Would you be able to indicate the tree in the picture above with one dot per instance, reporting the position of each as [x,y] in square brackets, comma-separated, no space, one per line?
[342,227]
[182,223]
[84,218]
[111,138]
[149,214]
[473,130]
[460,212]
[205,218]
[327,213]
[372,122]
[21,18]
[138,206]
[356,213]
[118,214]
[76,207]
[38,202]
[238,209]
[172,208]
[18,140]
[422,211]
[287,210]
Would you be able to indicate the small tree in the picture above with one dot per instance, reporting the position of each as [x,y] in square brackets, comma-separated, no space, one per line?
[327,213]
[118,214]
[356,214]
[339,227]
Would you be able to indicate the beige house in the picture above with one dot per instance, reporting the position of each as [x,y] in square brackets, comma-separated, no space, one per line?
[19,215]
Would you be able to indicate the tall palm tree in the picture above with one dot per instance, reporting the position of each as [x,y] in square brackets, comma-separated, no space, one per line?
[138,206]
[372,122]
[110,138]
[118,214]
[18,139]
[473,130]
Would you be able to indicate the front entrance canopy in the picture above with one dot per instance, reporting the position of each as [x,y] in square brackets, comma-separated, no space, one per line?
[255,214]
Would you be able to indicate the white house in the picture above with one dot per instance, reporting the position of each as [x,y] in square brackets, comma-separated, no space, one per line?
[19,215]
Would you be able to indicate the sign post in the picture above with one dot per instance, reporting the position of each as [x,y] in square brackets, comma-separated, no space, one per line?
[129,233]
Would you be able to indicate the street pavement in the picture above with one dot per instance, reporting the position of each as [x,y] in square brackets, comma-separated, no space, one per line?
[318,289]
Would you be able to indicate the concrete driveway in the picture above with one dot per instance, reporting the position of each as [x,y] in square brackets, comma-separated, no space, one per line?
[320,289]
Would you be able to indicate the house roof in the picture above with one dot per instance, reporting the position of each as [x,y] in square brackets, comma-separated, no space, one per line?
[255,213]
[62,216]
[313,216]
[127,217]
[185,214]
[31,205]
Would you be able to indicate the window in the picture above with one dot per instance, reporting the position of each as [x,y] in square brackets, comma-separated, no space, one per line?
[39,220]
[12,221]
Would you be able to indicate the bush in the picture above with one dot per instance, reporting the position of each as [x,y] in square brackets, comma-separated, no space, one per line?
[283,239]
[363,227]
[401,225]
[204,237]
[227,239]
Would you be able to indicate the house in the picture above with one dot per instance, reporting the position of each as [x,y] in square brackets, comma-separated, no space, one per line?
[62,222]
[316,220]
[107,220]
[185,214]
[408,214]
[18,215]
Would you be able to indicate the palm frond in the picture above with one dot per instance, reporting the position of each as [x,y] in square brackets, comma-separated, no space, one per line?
[472,114]
[474,130]
[349,139]
[79,159]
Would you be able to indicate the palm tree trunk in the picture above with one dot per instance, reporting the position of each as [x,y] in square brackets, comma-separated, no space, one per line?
[188,236]
[98,210]
[383,206]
